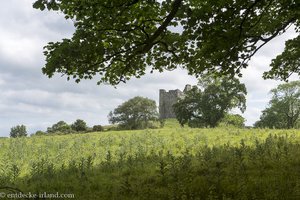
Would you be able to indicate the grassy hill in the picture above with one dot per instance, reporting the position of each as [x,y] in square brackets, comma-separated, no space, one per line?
[168,163]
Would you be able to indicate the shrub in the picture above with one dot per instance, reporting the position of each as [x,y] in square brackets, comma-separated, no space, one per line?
[98,128]
[60,127]
[79,126]
[39,133]
[234,120]
[18,131]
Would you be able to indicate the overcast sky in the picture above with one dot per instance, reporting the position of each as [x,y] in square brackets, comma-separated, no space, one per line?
[30,98]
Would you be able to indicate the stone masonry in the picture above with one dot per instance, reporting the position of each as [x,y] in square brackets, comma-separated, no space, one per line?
[168,99]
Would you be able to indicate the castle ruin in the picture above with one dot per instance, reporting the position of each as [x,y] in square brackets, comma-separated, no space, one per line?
[168,99]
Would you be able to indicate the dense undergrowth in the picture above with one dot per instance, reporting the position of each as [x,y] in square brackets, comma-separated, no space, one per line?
[170,163]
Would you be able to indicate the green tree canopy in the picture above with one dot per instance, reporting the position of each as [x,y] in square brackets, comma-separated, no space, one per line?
[135,113]
[119,39]
[59,127]
[39,133]
[284,107]
[18,131]
[207,105]
[79,125]
[98,128]
[234,120]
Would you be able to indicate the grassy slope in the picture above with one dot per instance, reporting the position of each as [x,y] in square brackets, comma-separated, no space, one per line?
[168,163]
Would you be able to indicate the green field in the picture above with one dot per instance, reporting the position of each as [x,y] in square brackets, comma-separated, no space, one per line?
[169,163]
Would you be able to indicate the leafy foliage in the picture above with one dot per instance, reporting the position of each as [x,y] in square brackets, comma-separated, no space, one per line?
[98,128]
[79,126]
[60,127]
[206,106]
[288,62]
[118,39]
[234,120]
[39,133]
[18,131]
[136,113]
[284,109]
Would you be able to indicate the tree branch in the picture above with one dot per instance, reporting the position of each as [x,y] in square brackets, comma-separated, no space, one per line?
[246,15]
[149,43]
[126,4]
[167,49]
[266,40]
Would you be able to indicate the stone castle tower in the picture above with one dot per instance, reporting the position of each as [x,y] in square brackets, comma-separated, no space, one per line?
[168,99]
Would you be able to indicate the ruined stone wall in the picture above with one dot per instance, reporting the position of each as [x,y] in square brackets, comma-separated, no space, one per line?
[167,100]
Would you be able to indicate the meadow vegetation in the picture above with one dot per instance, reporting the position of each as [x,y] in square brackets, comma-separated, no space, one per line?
[173,162]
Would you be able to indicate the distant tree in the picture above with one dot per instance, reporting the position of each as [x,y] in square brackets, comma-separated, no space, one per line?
[98,128]
[60,127]
[38,133]
[79,125]
[135,113]
[284,107]
[271,118]
[18,131]
[208,104]
[235,120]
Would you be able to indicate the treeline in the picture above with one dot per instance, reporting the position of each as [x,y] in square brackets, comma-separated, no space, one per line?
[59,128]
[79,126]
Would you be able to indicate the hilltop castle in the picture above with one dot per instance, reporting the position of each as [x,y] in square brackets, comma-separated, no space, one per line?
[168,99]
